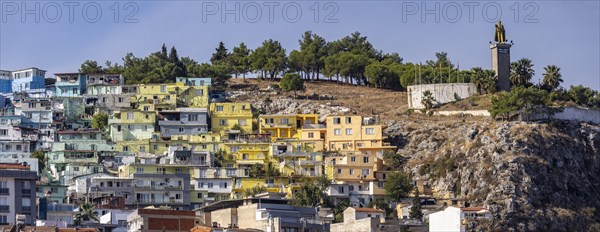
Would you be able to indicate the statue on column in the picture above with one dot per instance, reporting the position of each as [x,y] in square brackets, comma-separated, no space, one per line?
[500,36]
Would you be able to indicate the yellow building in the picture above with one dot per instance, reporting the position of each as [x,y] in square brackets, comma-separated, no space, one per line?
[131,124]
[226,115]
[353,133]
[285,126]
[195,96]
[156,97]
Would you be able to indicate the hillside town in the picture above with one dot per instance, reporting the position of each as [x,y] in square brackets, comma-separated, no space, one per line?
[174,149]
[165,143]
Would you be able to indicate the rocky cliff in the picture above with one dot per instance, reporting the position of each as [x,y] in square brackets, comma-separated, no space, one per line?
[532,176]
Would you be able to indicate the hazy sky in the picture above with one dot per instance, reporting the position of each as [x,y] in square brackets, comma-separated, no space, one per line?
[564,33]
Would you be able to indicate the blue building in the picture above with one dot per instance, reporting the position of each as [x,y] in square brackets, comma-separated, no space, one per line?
[22,80]
[28,79]
[70,84]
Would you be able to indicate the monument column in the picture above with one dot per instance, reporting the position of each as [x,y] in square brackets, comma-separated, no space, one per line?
[501,64]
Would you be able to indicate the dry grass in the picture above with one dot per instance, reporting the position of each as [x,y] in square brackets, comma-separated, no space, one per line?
[477,102]
[363,100]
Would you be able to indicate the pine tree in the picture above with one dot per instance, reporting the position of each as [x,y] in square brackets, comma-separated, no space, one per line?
[415,210]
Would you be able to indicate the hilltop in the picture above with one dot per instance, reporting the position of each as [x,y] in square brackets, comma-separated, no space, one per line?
[534,176]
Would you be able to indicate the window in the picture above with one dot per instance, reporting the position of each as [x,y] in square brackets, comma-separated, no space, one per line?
[223,185]
[339,171]
[381,184]
[348,120]
[155,146]
[337,120]
[145,127]
[28,115]
[341,189]
[370,131]
[351,171]
[199,92]
[130,127]
[118,127]
[3,219]
[178,171]
[7,147]
[120,99]
[161,171]
[75,91]
[232,108]
[365,172]
[210,185]
[243,107]
[146,108]
[283,121]
[353,159]
[142,149]
[351,188]
[3,184]
[219,108]
[241,122]
[130,115]
[365,159]
[199,195]
[192,117]
[348,131]
[163,88]
[344,146]
[125,148]
[75,169]
[93,147]
[337,131]
[311,134]
[223,122]
[147,116]
[177,196]
[244,156]
[19,147]
[181,129]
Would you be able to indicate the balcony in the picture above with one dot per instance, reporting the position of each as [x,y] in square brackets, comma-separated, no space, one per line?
[3,191]
[25,191]
[4,208]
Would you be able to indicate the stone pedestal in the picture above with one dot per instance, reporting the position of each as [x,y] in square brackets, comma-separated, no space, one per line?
[501,64]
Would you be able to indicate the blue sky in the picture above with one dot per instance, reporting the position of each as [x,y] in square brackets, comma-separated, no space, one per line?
[564,33]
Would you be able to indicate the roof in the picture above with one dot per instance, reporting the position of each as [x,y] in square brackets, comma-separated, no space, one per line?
[166,212]
[473,208]
[14,166]
[77,131]
[368,210]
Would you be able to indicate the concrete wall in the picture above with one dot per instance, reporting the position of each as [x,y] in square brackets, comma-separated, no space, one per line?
[448,220]
[570,113]
[225,217]
[443,93]
[363,225]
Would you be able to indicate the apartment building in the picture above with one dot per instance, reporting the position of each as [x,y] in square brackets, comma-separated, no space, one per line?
[183,121]
[70,84]
[131,124]
[17,193]
[225,116]
[286,126]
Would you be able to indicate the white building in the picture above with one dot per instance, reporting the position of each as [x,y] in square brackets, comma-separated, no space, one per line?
[454,219]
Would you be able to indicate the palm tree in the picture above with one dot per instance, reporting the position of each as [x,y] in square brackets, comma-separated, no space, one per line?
[552,77]
[490,81]
[484,80]
[86,213]
[521,72]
